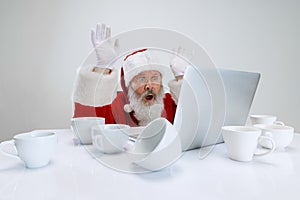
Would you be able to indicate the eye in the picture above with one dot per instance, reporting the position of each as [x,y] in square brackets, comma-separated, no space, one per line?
[155,78]
[141,79]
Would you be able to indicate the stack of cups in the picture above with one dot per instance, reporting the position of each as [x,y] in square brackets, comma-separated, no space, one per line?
[282,135]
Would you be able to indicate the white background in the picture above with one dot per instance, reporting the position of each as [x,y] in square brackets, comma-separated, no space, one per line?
[42,43]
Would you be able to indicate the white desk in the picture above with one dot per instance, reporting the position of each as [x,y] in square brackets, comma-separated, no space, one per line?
[74,174]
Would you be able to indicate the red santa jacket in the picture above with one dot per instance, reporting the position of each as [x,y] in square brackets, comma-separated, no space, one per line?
[114,112]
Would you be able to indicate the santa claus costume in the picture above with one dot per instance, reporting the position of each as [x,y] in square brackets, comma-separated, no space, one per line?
[95,94]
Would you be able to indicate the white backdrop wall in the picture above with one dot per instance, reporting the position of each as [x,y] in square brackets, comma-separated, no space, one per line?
[42,43]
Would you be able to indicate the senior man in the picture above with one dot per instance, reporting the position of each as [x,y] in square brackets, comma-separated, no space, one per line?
[142,99]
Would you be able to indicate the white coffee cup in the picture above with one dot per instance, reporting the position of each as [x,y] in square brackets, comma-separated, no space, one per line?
[241,142]
[157,147]
[34,148]
[264,119]
[165,153]
[81,126]
[110,138]
[281,134]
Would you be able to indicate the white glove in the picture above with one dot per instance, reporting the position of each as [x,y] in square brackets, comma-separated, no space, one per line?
[178,64]
[105,49]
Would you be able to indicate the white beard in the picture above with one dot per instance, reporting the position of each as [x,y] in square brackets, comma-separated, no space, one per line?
[146,113]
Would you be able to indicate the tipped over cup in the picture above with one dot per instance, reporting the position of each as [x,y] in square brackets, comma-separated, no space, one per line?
[157,147]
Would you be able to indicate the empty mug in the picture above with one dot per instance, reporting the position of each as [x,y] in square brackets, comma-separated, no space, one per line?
[110,138]
[241,142]
[281,134]
[34,148]
[264,119]
[82,127]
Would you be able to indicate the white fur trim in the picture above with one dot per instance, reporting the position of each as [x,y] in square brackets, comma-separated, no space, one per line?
[94,89]
[175,87]
[139,62]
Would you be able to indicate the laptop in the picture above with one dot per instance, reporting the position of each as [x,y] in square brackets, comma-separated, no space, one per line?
[210,99]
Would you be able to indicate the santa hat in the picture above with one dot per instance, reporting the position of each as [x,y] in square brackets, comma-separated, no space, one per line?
[138,62]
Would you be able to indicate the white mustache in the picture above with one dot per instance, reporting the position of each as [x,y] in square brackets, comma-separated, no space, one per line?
[149,92]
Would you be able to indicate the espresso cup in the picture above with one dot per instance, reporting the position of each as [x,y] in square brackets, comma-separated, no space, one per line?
[110,138]
[81,126]
[264,119]
[241,142]
[34,148]
[281,134]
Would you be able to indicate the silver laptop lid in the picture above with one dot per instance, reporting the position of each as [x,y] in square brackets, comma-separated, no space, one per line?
[193,118]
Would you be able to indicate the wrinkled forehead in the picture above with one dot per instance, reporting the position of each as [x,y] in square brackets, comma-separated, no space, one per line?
[148,73]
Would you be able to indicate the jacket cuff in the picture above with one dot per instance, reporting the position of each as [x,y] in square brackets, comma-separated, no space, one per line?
[94,89]
[175,86]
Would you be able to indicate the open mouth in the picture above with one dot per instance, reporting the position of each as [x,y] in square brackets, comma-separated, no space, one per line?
[149,97]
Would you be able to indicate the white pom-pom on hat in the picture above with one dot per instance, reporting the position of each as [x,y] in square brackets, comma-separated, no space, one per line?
[128,108]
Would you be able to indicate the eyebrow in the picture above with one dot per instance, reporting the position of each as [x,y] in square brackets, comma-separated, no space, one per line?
[155,74]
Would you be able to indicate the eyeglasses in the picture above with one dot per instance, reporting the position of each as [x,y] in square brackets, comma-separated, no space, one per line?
[143,79]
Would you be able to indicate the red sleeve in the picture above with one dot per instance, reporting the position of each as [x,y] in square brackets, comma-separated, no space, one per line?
[169,108]
[90,111]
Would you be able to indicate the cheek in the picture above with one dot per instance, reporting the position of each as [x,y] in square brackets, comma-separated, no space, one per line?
[139,91]
[156,88]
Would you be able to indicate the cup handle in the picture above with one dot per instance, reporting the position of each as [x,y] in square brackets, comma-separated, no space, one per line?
[279,123]
[10,142]
[99,142]
[268,151]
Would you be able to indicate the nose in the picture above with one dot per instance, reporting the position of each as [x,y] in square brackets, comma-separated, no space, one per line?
[148,86]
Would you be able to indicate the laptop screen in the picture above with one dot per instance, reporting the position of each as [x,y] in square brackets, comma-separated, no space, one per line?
[210,99]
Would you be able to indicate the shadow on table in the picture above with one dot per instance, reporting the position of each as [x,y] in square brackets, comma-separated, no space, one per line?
[164,174]
[12,167]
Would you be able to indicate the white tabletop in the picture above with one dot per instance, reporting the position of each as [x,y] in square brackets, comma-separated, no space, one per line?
[74,174]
